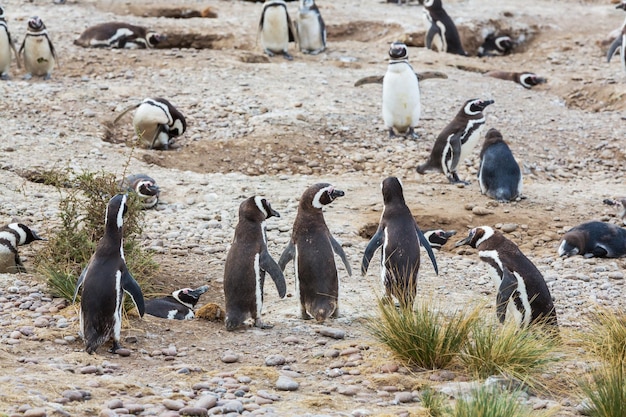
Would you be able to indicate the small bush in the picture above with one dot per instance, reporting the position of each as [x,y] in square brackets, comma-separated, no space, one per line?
[607,337]
[606,391]
[491,402]
[434,402]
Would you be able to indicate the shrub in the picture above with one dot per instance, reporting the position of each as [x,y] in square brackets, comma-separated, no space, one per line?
[606,391]
[490,401]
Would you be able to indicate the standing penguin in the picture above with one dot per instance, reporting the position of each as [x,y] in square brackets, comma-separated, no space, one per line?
[310,28]
[37,50]
[599,239]
[246,264]
[400,238]
[619,42]
[12,236]
[276,28]
[499,175]
[456,140]
[522,291]
[442,35]
[177,306]
[146,188]
[105,280]
[6,46]
[311,248]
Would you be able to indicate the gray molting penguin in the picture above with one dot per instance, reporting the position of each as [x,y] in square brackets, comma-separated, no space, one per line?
[456,140]
[276,28]
[310,28]
[177,306]
[401,93]
[37,50]
[442,34]
[499,175]
[157,122]
[438,237]
[620,42]
[6,48]
[12,236]
[594,239]
[246,264]
[145,187]
[311,248]
[526,79]
[523,295]
[496,45]
[400,238]
[119,35]
[620,204]
[104,281]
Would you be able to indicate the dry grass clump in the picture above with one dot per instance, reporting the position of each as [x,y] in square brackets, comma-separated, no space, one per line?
[490,401]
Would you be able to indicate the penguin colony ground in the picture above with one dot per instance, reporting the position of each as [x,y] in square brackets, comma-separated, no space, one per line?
[39,58]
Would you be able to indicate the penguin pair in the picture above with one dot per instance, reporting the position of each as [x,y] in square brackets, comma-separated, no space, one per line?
[620,42]
[499,175]
[496,45]
[594,239]
[246,264]
[177,306]
[456,140]
[442,34]
[526,79]
[119,35]
[37,51]
[6,48]
[104,281]
[157,122]
[145,187]
[522,293]
[12,236]
[400,238]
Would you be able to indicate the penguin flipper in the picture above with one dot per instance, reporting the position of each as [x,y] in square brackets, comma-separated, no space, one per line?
[287,255]
[293,34]
[430,35]
[421,76]
[429,249]
[131,287]
[81,279]
[17,56]
[372,79]
[271,267]
[375,243]
[53,52]
[455,145]
[339,251]
[126,110]
[507,287]
[617,44]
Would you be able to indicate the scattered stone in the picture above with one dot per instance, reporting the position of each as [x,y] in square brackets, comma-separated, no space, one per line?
[509,227]
[331,332]
[229,357]
[193,411]
[285,383]
[173,404]
[207,401]
[275,360]
[36,412]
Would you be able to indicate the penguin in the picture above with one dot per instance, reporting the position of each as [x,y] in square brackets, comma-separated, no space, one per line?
[119,35]
[438,237]
[442,35]
[526,79]
[37,50]
[6,46]
[310,28]
[620,203]
[311,248]
[594,238]
[456,140]
[178,306]
[146,188]
[104,281]
[523,295]
[246,264]
[401,93]
[499,175]
[157,122]
[496,46]
[619,42]
[12,236]
[400,238]
[276,28]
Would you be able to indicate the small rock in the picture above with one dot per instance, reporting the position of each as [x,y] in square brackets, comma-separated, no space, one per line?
[207,401]
[275,360]
[481,211]
[90,369]
[616,275]
[35,412]
[113,404]
[331,332]
[229,357]
[173,404]
[403,397]
[286,384]
[123,352]
[193,411]
[509,227]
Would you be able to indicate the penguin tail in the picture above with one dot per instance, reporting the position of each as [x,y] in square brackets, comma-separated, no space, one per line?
[502,194]
[421,169]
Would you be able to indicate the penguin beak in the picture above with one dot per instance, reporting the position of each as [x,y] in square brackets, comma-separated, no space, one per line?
[485,103]
[449,234]
[273,213]
[336,193]
[199,291]
[465,241]
[37,237]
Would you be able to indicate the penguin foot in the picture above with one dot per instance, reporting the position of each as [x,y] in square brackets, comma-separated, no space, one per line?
[287,56]
[410,134]
[116,346]
[261,325]
[269,53]
[27,76]
[46,77]
[5,77]
[454,179]
[392,133]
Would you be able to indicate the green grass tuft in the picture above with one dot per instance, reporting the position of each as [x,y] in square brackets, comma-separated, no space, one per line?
[492,402]
[606,392]
[607,337]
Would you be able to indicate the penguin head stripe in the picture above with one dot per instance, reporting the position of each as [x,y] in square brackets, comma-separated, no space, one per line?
[18,228]
[162,106]
[265,207]
[153,39]
[482,234]
[116,209]
[431,3]
[398,51]
[36,24]
[504,43]
[475,106]
[325,195]
[528,79]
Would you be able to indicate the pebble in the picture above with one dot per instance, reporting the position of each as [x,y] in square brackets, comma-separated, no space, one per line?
[229,357]
[285,383]
[275,360]
[332,332]
[509,227]
[192,411]
[35,412]
[206,401]
[173,404]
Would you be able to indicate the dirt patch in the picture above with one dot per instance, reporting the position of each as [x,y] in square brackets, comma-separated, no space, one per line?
[608,97]
[363,31]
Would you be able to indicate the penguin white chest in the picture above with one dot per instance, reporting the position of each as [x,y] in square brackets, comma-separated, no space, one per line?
[309,32]
[38,58]
[275,31]
[5,50]
[401,97]
[473,130]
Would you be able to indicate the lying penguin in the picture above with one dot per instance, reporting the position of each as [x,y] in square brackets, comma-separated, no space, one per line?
[178,306]
[599,239]
[119,35]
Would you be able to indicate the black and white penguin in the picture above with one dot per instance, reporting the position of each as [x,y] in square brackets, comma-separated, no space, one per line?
[6,46]
[401,239]
[104,280]
[119,35]
[442,35]
[311,248]
[526,79]
[438,237]
[157,122]
[12,236]
[401,93]
[456,140]
[620,42]
[523,295]
[145,187]
[594,238]
[178,306]
[310,28]
[276,28]
[496,45]
[499,175]
[37,50]
[620,204]
[246,264]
